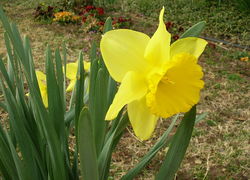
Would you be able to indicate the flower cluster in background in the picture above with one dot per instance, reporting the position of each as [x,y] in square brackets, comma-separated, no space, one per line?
[93,11]
[66,17]
[91,18]
[44,12]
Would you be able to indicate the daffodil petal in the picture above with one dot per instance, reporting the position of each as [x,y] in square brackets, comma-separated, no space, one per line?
[123,51]
[157,51]
[86,66]
[71,70]
[71,85]
[40,76]
[142,121]
[41,79]
[44,97]
[133,87]
[179,89]
[191,45]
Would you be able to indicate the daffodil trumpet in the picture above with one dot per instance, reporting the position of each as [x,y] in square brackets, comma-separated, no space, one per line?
[158,79]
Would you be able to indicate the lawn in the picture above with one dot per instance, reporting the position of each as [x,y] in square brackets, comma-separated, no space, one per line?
[220,146]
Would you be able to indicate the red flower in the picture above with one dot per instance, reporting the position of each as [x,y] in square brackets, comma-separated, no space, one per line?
[89,8]
[101,23]
[175,37]
[100,11]
[120,19]
[84,19]
[169,25]
[82,13]
[114,22]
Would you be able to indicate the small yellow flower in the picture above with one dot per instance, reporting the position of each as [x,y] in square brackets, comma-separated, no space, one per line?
[157,79]
[72,71]
[41,78]
[244,58]
[65,16]
[75,18]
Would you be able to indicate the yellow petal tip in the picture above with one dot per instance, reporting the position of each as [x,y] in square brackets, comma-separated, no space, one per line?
[161,14]
[109,118]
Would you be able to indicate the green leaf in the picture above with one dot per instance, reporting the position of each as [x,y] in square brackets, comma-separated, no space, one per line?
[8,167]
[79,87]
[92,55]
[11,64]
[100,109]
[195,30]
[64,60]
[162,142]
[114,125]
[107,25]
[178,147]
[98,98]
[105,156]
[79,94]
[56,109]
[18,163]
[27,148]
[112,89]
[69,116]
[86,144]
[41,147]
[56,117]
[93,73]
[60,77]
[200,117]
[6,76]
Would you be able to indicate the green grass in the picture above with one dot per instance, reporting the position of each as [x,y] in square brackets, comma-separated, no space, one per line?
[225,21]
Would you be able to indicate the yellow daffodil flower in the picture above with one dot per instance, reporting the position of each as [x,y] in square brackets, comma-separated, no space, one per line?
[41,79]
[72,71]
[157,79]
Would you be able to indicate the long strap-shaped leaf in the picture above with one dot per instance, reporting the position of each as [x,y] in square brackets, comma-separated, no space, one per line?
[42,118]
[88,158]
[79,93]
[178,147]
[105,156]
[7,167]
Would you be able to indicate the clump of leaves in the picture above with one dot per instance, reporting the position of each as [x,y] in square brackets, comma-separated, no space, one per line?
[45,12]
[91,18]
